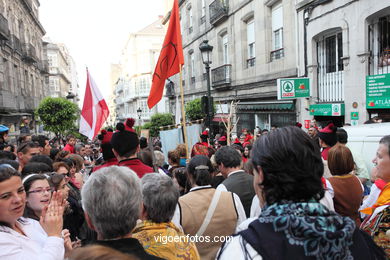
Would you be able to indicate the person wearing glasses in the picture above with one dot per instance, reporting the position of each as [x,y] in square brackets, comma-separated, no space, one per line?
[25,238]
[38,194]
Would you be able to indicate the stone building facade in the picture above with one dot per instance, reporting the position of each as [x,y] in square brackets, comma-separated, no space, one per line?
[23,66]
[254,45]
[137,64]
[347,42]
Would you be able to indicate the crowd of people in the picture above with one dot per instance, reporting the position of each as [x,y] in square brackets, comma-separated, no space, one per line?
[278,194]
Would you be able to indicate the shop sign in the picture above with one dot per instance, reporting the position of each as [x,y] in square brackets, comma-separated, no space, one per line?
[307,124]
[327,110]
[354,115]
[378,91]
[293,88]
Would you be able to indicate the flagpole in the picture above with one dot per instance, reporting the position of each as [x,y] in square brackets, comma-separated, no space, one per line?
[183,112]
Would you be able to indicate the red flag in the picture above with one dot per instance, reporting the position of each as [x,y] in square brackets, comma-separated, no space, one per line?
[171,57]
[95,110]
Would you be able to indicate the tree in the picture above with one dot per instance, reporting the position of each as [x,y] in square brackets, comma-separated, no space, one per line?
[194,110]
[58,115]
[158,120]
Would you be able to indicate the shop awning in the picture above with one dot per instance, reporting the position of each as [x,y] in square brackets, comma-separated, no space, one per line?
[266,106]
[220,118]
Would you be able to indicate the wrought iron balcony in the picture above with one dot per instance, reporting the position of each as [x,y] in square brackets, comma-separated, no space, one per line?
[17,45]
[251,62]
[30,54]
[4,30]
[277,54]
[44,67]
[219,10]
[221,76]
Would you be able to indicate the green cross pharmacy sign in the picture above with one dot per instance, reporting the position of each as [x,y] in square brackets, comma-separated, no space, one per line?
[293,88]
[378,91]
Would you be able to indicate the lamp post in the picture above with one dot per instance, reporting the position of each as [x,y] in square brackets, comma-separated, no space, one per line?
[139,113]
[206,51]
[70,95]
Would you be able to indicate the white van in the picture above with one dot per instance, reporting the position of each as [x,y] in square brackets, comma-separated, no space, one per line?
[365,139]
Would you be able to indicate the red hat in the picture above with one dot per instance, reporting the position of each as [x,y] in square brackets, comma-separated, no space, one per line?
[129,123]
[237,141]
[222,139]
[205,132]
[105,136]
[298,125]
[328,134]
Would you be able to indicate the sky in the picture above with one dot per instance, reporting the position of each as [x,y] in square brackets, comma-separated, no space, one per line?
[95,31]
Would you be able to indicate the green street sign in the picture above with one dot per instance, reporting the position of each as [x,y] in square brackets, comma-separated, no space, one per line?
[354,115]
[378,91]
[327,110]
[293,88]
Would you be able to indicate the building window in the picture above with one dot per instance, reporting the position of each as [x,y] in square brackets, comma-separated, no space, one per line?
[203,10]
[277,32]
[250,27]
[225,49]
[190,20]
[330,68]
[192,68]
[379,34]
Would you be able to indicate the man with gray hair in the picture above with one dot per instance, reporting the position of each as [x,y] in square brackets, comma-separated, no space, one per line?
[111,199]
[156,232]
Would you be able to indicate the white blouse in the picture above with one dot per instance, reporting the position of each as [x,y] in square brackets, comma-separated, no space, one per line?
[35,245]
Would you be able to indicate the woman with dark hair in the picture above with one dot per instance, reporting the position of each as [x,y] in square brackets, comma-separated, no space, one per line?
[205,211]
[38,193]
[3,136]
[180,179]
[246,155]
[25,238]
[293,224]
[347,188]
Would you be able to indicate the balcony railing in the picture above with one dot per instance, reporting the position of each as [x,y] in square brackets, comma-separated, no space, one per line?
[4,30]
[251,62]
[219,11]
[170,90]
[221,76]
[330,85]
[192,80]
[44,67]
[17,45]
[277,54]
[30,54]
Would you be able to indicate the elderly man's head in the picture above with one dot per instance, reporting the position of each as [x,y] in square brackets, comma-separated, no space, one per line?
[111,199]
[160,197]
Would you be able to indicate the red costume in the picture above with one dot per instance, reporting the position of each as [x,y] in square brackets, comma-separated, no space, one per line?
[69,148]
[137,166]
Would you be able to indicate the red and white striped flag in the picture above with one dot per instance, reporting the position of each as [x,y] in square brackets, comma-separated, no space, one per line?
[95,110]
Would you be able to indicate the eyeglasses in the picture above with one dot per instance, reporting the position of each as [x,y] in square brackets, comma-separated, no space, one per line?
[41,191]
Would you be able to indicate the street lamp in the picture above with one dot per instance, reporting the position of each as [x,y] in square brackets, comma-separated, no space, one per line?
[206,51]
[70,95]
[139,113]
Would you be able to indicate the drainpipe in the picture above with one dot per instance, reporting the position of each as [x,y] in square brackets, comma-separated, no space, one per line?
[305,22]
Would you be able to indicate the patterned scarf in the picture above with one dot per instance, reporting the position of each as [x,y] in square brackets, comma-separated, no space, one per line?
[322,233]
[152,237]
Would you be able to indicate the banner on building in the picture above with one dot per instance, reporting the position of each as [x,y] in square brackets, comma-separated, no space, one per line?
[378,91]
[293,88]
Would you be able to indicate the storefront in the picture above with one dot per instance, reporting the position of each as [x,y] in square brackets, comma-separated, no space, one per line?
[323,113]
[265,114]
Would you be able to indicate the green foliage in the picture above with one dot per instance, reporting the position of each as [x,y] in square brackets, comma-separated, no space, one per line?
[159,120]
[147,125]
[58,115]
[194,110]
